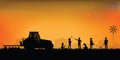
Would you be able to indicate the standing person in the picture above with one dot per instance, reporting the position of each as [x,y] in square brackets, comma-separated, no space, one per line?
[106,43]
[91,43]
[79,43]
[69,42]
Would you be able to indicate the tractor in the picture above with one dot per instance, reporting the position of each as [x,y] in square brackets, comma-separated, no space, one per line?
[34,41]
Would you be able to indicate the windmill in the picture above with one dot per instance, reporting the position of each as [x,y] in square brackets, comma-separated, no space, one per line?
[113,29]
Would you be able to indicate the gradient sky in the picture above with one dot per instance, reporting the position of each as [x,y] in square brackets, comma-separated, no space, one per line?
[58,20]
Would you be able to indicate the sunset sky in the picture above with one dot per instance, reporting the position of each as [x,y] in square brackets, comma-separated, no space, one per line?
[58,20]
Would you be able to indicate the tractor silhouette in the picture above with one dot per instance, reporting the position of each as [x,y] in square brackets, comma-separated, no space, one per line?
[34,41]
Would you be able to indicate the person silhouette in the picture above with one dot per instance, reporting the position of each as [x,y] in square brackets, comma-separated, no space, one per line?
[85,46]
[21,43]
[69,42]
[62,46]
[91,43]
[79,43]
[106,43]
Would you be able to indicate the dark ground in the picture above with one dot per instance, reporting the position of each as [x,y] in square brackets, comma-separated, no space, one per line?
[58,54]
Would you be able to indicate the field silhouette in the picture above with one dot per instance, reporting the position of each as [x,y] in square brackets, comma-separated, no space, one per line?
[37,48]
[61,53]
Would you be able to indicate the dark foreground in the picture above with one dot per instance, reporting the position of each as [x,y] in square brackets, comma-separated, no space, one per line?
[57,54]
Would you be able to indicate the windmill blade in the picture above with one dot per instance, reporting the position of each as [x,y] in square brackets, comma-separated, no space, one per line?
[115,31]
[111,31]
[115,26]
[110,26]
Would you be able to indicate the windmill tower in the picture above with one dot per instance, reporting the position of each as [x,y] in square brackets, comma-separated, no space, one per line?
[113,29]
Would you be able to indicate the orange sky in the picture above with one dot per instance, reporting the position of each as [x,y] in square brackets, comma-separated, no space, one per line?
[59,20]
